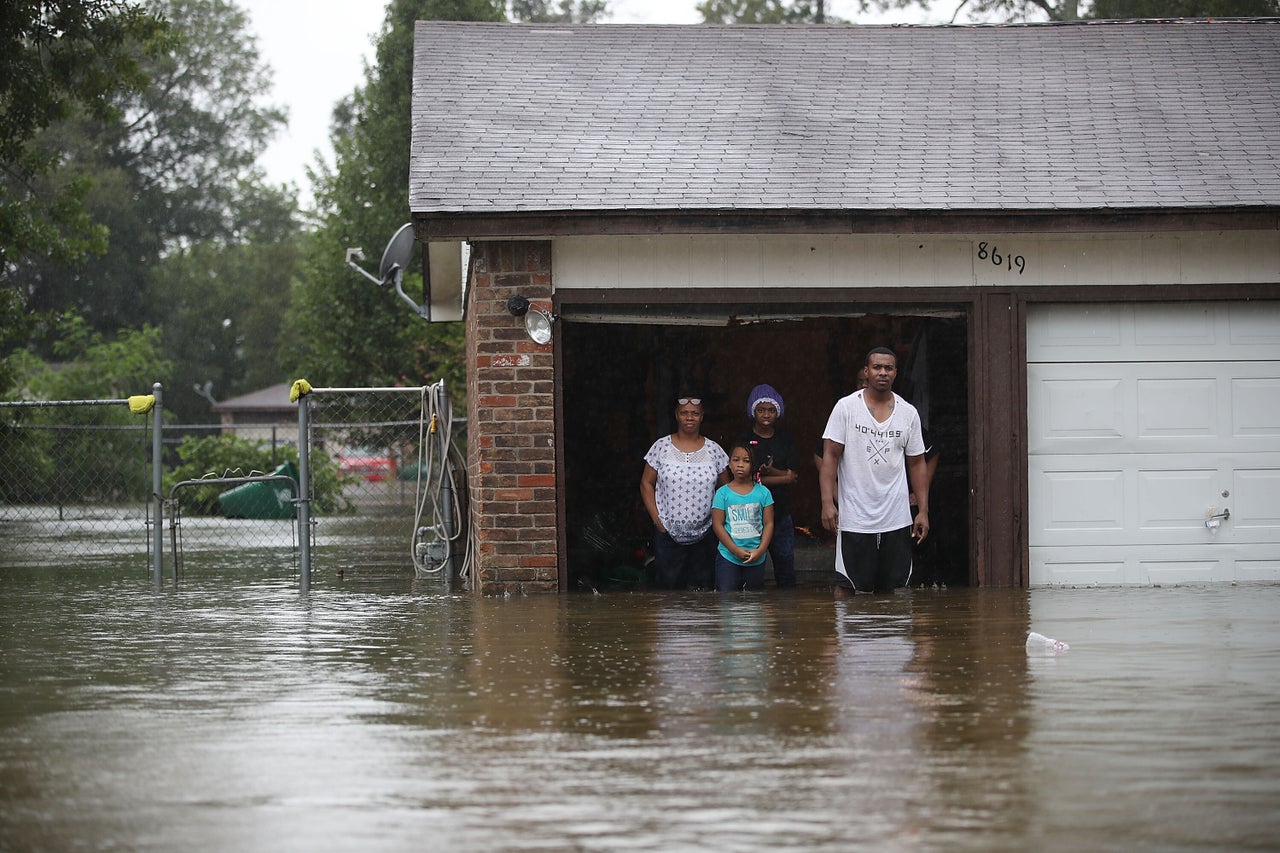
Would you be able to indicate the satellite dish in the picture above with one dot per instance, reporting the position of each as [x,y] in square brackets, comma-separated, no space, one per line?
[398,253]
[395,259]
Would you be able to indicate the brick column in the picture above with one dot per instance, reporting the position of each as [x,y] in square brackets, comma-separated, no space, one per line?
[511,422]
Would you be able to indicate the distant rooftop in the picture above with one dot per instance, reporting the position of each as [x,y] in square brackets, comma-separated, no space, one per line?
[1114,116]
[274,398]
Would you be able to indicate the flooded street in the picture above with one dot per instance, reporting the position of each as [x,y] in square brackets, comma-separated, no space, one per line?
[383,712]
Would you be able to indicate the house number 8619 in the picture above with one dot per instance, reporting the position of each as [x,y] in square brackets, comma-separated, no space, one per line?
[1009,262]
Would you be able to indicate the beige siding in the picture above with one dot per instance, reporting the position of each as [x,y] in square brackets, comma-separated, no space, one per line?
[838,261]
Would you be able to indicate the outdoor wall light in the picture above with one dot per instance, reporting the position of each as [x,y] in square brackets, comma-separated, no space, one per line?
[536,321]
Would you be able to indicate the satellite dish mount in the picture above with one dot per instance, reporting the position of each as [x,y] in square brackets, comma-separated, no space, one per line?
[395,258]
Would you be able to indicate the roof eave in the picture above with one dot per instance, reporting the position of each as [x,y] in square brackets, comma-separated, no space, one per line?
[552,223]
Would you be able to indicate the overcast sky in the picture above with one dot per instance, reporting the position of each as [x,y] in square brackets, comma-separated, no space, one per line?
[316,50]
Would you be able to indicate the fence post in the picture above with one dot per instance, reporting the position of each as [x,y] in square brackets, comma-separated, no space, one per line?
[157,486]
[304,494]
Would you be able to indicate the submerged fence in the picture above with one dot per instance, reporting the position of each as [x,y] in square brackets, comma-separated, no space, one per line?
[80,475]
[363,478]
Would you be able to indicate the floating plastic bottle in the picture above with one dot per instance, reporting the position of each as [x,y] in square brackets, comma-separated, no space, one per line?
[1041,643]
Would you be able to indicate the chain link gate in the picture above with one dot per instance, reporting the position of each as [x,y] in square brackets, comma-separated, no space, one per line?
[392,453]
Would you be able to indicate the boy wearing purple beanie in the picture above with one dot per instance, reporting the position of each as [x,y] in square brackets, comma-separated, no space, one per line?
[775,452]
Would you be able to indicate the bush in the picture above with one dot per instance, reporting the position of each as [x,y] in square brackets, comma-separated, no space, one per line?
[231,456]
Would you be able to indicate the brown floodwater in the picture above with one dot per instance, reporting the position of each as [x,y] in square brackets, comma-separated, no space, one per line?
[231,712]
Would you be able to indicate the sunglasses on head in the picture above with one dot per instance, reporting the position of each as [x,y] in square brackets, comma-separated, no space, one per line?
[685,401]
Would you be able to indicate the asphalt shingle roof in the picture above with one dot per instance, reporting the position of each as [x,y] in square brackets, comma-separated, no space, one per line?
[521,118]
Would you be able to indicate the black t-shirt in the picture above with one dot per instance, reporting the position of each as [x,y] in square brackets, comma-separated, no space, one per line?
[781,449]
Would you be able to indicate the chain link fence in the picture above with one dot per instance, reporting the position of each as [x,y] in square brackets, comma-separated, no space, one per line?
[77,484]
[396,457]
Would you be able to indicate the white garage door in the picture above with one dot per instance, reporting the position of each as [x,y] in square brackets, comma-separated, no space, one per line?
[1146,422]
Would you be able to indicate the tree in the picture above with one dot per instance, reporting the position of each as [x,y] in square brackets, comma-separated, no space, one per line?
[1013,11]
[562,12]
[102,455]
[223,306]
[764,12]
[347,331]
[178,169]
[56,58]
[1113,9]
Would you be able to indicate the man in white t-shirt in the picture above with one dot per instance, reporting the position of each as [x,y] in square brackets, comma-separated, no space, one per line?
[864,482]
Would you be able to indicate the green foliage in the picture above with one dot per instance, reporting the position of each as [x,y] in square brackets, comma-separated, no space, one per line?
[91,453]
[57,59]
[1033,11]
[94,367]
[15,326]
[27,457]
[179,170]
[1121,9]
[345,330]
[764,12]
[223,307]
[231,456]
[81,455]
[562,12]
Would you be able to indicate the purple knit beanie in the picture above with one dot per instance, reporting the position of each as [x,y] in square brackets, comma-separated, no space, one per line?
[763,394]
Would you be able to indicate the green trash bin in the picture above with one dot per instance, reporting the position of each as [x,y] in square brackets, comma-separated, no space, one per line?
[264,498]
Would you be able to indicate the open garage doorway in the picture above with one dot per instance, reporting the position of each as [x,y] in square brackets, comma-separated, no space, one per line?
[622,367]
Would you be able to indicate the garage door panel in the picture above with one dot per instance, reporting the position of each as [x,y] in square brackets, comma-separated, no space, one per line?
[1254,329]
[1153,408]
[1082,408]
[1175,500]
[1160,498]
[1176,408]
[1258,570]
[1186,331]
[1074,333]
[1145,565]
[1255,412]
[1159,328]
[1143,422]
[1074,502]
[1255,499]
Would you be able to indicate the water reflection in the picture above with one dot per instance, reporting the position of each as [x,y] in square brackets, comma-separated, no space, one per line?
[234,712]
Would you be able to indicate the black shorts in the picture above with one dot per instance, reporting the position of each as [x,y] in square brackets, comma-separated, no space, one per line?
[874,562]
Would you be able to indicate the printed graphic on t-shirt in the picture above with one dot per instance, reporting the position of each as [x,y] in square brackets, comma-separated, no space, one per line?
[744,521]
[879,443]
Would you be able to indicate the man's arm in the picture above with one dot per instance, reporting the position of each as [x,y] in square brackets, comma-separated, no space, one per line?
[918,475]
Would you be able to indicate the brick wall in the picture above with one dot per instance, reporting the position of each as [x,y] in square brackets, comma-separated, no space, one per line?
[511,422]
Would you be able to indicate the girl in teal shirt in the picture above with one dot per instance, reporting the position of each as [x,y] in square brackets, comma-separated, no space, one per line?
[742,518]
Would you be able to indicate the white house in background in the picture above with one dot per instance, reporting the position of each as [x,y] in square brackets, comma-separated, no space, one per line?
[1069,233]
[264,415]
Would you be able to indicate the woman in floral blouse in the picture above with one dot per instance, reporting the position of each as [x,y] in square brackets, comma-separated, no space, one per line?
[681,473]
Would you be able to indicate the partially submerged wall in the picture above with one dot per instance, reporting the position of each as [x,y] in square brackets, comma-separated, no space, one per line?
[511,429]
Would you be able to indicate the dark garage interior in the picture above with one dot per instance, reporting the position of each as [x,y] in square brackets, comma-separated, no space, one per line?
[623,366]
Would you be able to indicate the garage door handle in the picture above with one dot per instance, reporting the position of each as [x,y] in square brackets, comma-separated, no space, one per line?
[1217,518]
